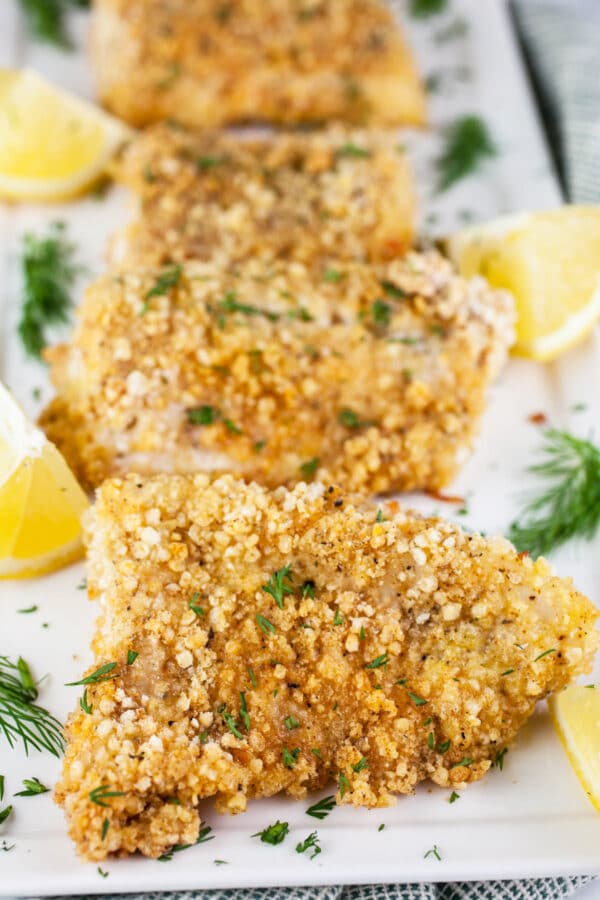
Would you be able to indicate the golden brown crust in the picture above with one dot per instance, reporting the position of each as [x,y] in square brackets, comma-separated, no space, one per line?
[373,377]
[207,63]
[404,642]
[205,195]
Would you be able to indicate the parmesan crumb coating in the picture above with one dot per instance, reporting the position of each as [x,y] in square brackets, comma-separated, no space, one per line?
[207,63]
[304,196]
[371,377]
[290,640]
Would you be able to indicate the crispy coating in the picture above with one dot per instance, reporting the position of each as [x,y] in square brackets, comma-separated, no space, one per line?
[207,63]
[392,651]
[304,196]
[372,377]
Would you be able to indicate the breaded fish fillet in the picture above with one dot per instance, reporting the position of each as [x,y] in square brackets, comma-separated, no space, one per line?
[290,640]
[207,63]
[304,196]
[372,377]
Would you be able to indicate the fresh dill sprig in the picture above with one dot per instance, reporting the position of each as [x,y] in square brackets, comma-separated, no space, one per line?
[49,272]
[46,19]
[421,9]
[20,718]
[468,143]
[568,504]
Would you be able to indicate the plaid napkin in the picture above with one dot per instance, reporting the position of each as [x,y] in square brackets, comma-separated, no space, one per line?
[562,41]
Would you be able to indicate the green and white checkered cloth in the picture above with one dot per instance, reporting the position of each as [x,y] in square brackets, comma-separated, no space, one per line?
[562,40]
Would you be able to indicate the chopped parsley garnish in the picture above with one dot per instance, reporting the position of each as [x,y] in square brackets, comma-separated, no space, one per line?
[344,784]
[193,604]
[430,740]
[350,419]
[5,814]
[203,415]
[381,827]
[231,426]
[338,619]
[309,843]
[252,677]
[49,273]
[353,150]
[163,284]
[361,633]
[308,589]
[30,609]
[46,20]
[468,144]
[379,517]
[291,722]
[569,504]
[259,445]
[392,290]
[466,761]
[382,660]
[209,162]
[20,718]
[363,763]
[421,9]
[104,673]
[418,701]
[435,852]
[381,313]
[204,835]
[309,467]
[102,793]
[33,786]
[290,757]
[232,724]
[279,585]
[105,827]
[318,754]
[102,872]
[230,304]
[274,834]
[332,275]
[131,657]
[444,746]
[244,715]
[85,706]
[453,797]
[499,759]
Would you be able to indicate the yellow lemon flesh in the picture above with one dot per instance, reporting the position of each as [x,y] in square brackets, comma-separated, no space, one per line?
[52,144]
[550,261]
[576,716]
[40,501]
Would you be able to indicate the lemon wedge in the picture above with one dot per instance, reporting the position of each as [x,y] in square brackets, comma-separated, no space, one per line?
[550,261]
[52,144]
[576,716]
[40,501]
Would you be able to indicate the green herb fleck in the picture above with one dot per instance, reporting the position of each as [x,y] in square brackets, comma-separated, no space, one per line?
[309,467]
[102,793]
[274,834]
[279,584]
[49,273]
[104,673]
[467,144]
[309,843]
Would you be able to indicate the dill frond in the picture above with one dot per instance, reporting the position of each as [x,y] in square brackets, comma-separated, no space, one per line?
[569,503]
[49,273]
[468,143]
[46,19]
[20,718]
[421,9]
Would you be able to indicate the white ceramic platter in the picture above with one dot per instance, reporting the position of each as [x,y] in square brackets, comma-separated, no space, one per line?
[530,819]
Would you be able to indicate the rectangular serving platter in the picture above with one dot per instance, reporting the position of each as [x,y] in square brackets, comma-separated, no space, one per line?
[532,818]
